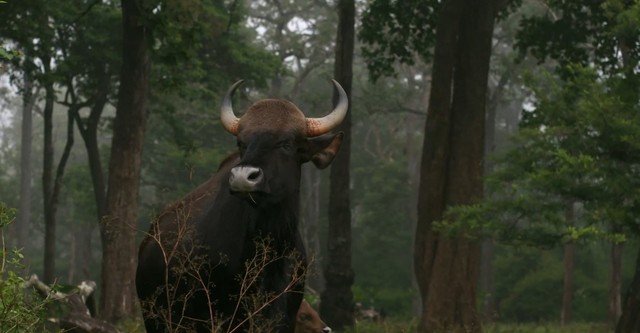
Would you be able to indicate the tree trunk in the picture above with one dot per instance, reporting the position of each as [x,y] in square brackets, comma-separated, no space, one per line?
[118,227]
[615,282]
[626,314]
[487,247]
[413,124]
[487,280]
[452,165]
[630,320]
[73,255]
[24,212]
[48,274]
[337,299]
[568,263]
[85,259]
[567,292]
[89,131]
[51,223]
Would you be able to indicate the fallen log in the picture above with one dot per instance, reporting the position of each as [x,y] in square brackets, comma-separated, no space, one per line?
[79,302]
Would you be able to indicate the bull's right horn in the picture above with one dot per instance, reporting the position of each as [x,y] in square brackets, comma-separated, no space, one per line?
[319,126]
[227,117]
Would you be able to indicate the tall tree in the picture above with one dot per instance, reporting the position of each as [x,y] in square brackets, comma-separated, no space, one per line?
[49,193]
[118,227]
[337,298]
[451,171]
[23,218]
[52,199]
[614,295]
[566,311]
[453,150]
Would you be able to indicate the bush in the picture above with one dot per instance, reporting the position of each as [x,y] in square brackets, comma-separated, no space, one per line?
[18,312]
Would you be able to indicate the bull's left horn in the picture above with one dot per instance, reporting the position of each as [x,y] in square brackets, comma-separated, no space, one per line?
[319,126]
[227,117]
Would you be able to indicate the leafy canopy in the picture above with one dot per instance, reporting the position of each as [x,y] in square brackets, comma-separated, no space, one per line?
[395,32]
[580,143]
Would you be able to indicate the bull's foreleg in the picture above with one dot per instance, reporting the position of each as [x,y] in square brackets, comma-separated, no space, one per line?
[296,273]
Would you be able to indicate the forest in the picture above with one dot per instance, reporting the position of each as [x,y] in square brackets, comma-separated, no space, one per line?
[487,178]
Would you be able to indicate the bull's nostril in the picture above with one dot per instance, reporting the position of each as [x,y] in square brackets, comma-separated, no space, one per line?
[255,175]
[245,178]
[326,330]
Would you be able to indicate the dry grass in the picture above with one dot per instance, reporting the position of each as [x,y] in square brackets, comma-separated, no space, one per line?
[188,263]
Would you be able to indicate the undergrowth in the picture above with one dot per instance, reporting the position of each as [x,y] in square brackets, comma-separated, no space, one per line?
[20,311]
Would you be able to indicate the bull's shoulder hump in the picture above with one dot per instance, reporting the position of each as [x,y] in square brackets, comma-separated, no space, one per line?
[194,201]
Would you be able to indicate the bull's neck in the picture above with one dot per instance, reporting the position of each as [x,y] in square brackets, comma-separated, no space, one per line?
[279,220]
[237,218]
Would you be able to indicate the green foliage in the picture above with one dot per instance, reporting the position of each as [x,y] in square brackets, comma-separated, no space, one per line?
[532,288]
[400,32]
[584,32]
[17,313]
[408,28]
[202,48]
[6,54]
[581,143]
[531,280]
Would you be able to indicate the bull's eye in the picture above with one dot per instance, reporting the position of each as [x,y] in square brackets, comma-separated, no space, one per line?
[305,317]
[286,145]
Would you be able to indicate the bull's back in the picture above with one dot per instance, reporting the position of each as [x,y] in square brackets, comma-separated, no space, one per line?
[172,229]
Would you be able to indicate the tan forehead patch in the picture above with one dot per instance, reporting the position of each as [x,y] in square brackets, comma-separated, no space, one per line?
[273,115]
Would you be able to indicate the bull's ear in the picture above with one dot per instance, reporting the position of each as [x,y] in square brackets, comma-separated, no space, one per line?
[323,149]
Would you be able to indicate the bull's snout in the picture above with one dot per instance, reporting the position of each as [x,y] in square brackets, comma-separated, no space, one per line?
[245,178]
[326,330]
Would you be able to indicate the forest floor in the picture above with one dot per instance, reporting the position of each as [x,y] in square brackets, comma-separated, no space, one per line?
[549,328]
[395,325]
[392,325]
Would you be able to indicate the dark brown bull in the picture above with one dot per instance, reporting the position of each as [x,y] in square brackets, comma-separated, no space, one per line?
[308,320]
[192,266]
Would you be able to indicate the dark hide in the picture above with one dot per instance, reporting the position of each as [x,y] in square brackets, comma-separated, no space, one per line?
[192,271]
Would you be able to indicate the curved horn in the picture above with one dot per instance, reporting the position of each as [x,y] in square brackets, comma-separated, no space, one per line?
[319,126]
[227,117]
